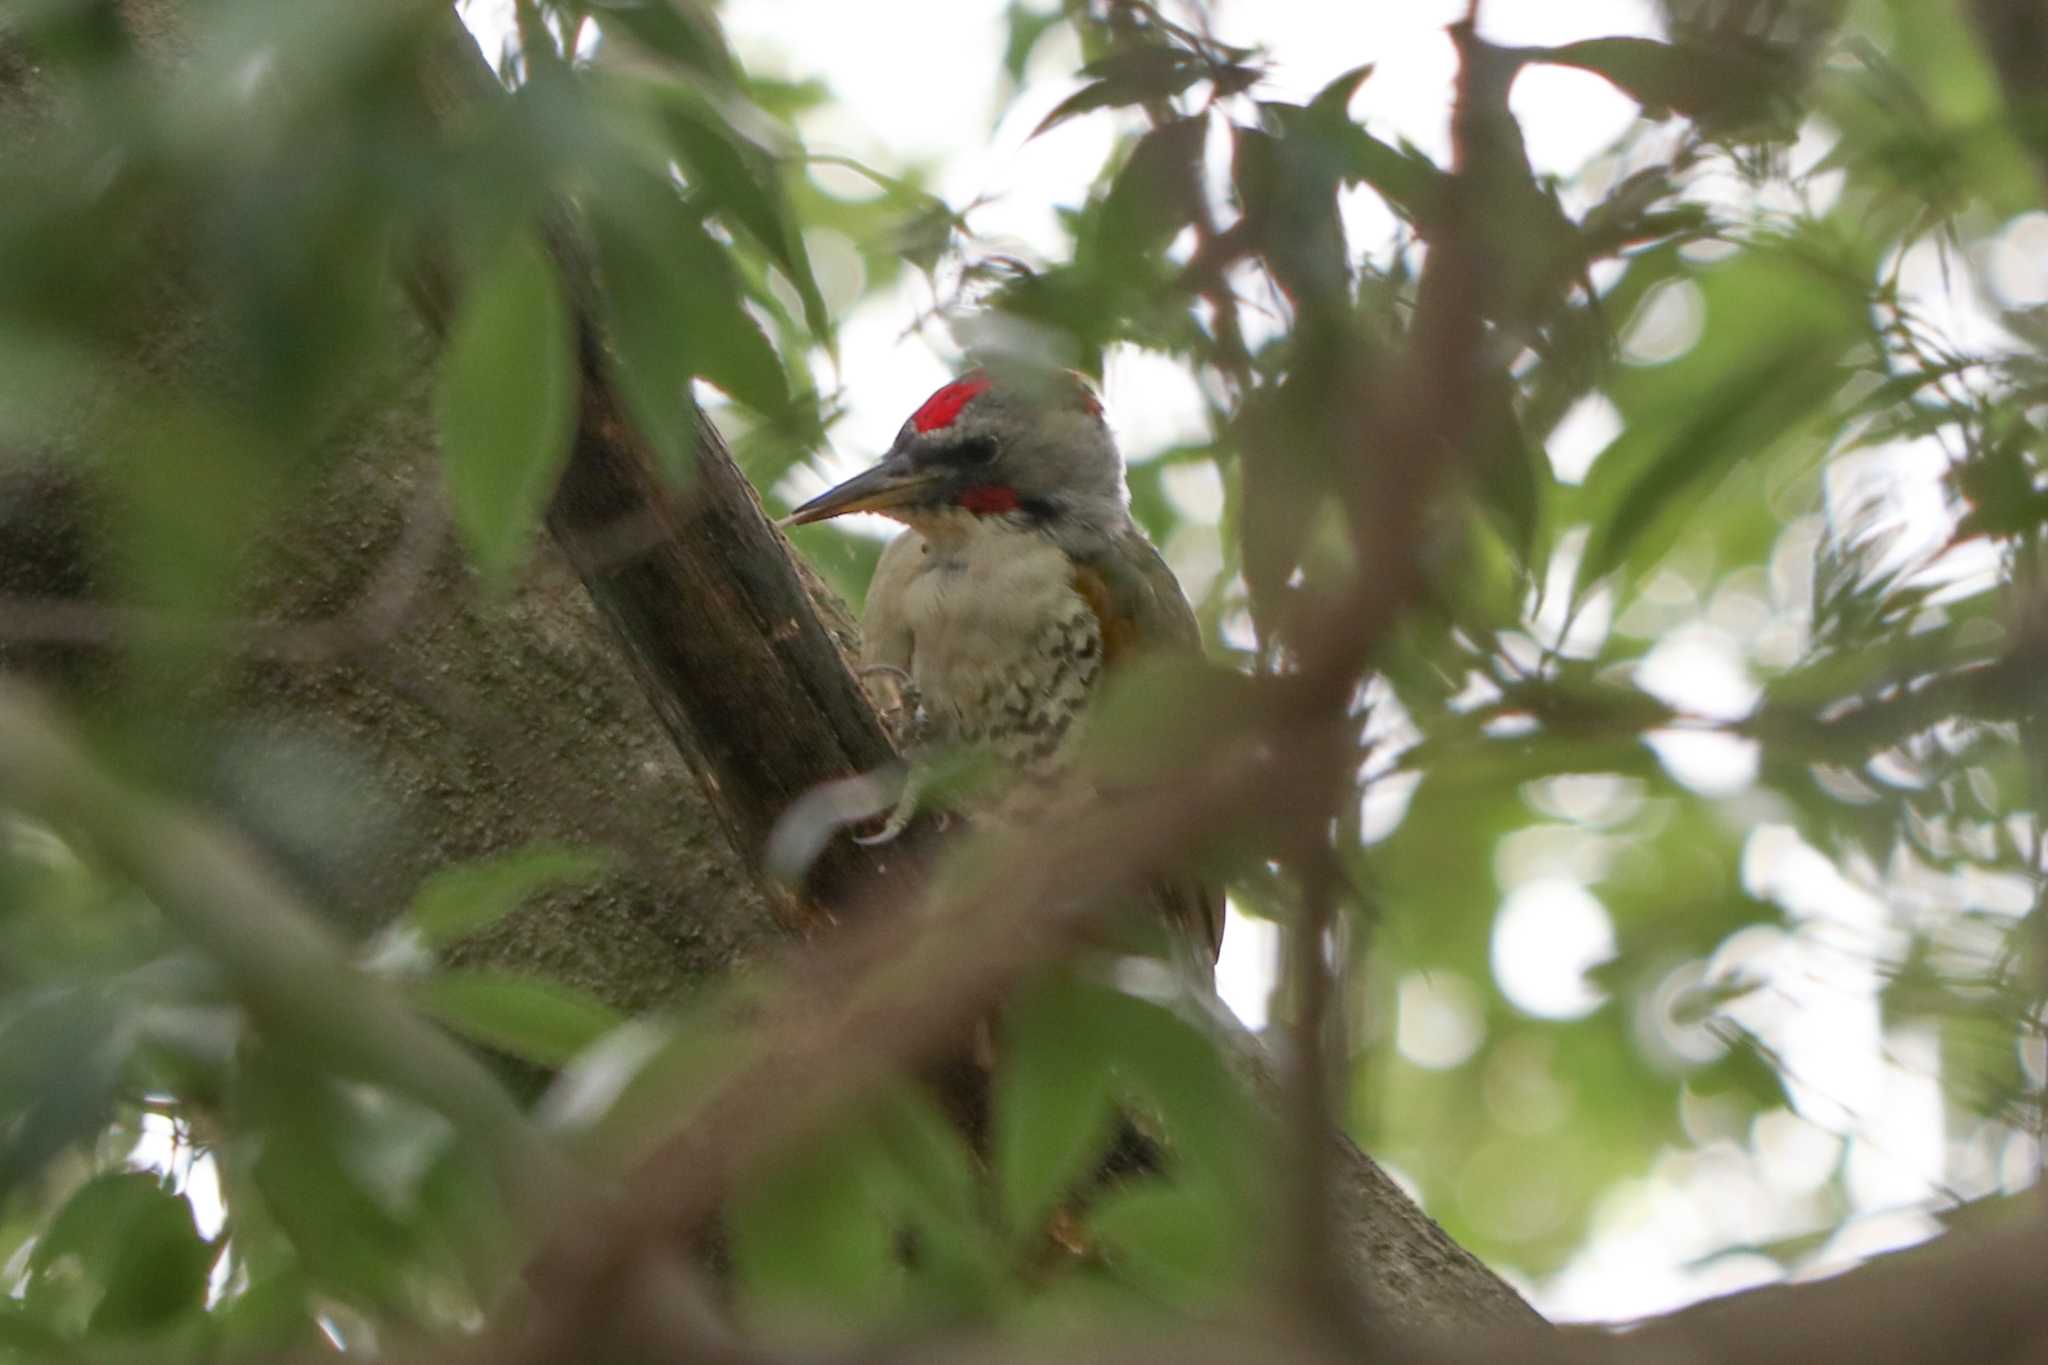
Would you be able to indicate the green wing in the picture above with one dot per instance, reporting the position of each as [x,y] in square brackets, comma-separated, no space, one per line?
[1143,591]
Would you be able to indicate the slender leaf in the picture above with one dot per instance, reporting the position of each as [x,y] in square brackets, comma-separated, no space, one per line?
[746,185]
[543,1022]
[673,302]
[506,404]
[1720,86]
[458,901]
[1132,77]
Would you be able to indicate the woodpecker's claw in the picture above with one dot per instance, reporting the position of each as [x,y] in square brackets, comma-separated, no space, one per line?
[914,783]
[901,675]
[887,834]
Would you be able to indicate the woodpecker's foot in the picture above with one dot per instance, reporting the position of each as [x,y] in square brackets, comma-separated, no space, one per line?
[907,695]
[905,810]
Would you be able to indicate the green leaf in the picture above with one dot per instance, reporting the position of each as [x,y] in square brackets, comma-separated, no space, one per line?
[683,31]
[1505,464]
[1157,193]
[506,404]
[1779,331]
[1335,98]
[651,348]
[345,1240]
[672,300]
[139,1258]
[1722,87]
[938,1167]
[456,902]
[813,1242]
[958,1268]
[745,184]
[1131,77]
[272,1316]
[25,1338]
[1410,182]
[1025,26]
[1053,1116]
[1174,1072]
[62,1058]
[543,1022]
[1170,1240]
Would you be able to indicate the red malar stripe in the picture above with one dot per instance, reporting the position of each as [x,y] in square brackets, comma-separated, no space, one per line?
[984,498]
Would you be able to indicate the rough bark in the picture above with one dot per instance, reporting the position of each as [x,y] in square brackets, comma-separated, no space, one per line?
[476,726]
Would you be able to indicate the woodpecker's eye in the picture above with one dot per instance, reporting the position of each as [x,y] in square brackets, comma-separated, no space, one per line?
[971,453]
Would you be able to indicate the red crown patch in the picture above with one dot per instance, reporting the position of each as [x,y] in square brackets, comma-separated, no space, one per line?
[941,408]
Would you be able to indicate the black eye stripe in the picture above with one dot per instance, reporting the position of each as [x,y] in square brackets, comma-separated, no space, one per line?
[974,450]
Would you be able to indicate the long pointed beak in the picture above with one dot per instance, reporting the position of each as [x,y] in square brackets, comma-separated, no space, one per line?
[888,484]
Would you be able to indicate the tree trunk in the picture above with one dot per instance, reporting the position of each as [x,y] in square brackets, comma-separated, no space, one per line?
[464,725]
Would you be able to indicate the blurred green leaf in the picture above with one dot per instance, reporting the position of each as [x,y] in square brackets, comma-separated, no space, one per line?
[272,1314]
[124,1254]
[544,1022]
[1721,86]
[506,404]
[26,1339]
[1289,188]
[1053,1116]
[685,32]
[1169,1241]
[1776,336]
[455,902]
[814,1245]
[1134,76]
[62,1058]
[1334,99]
[673,303]
[1157,192]
[746,185]
[1024,27]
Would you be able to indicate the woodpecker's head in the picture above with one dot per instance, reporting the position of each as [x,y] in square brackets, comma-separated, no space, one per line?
[1032,450]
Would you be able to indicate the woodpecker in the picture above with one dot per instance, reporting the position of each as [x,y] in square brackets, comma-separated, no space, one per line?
[1019,583]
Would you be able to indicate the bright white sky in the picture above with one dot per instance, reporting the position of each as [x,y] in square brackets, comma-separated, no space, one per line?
[914,84]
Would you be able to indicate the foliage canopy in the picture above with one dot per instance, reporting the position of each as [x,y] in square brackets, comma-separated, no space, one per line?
[1740,702]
